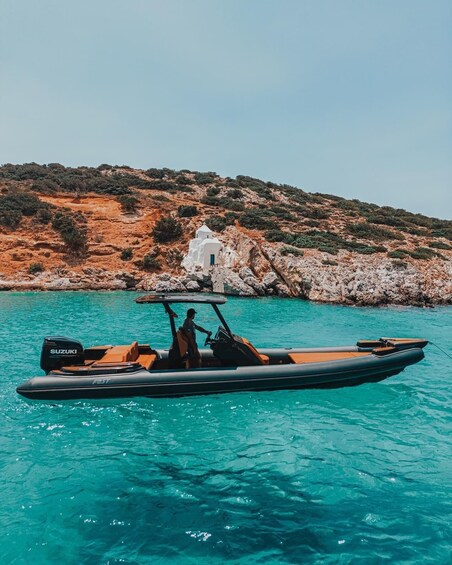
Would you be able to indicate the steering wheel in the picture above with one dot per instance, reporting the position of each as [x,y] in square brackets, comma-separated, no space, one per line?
[212,340]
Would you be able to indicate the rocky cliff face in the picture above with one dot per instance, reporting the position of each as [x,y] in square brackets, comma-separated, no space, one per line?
[277,240]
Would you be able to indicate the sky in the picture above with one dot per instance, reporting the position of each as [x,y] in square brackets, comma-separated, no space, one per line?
[346,97]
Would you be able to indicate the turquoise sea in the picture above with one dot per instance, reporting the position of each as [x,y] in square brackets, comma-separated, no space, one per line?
[354,475]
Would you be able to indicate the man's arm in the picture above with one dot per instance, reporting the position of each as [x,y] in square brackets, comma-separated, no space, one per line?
[200,329]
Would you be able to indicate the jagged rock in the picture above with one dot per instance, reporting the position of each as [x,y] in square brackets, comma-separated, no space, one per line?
[270,280]
[234,285]
[129,280]
[192,286]
[246,272]
[282,290]
[248,277]
[242,251]
[190,277]
[147,283]
[172,284]
[204,279]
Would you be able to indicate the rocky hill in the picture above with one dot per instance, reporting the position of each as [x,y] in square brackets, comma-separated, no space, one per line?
[113,227]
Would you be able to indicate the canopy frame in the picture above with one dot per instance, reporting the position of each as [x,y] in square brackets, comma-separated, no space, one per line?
[167,299]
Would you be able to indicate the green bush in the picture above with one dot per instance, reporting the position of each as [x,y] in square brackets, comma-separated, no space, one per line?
[314,213]
[187,211]
[35,268]
[27,171]
[311,223]
[43,216]
[413,231]
[261,188]
[327,248]
[160,173]
[126,254]
[205,178]
[443,232]
[216,223]
[231,204]
[9,217]
[211,200]
[167,229]
[231,183]
[128,203]
[422,253]
[14,205]
[365,230]
[235,193]
[398,254]
[26,202]
[282,213]
[257,219]
[439,245]
[161,185]
[295,194]
[366,250]
[231,217]
[327,242]
[155,173]
[161,198]
[183,180]
[150,263]
[276,235]
[213,191]
[73,235]
[45,186]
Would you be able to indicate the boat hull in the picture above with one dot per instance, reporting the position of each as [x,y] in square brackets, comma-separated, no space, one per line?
[167,383]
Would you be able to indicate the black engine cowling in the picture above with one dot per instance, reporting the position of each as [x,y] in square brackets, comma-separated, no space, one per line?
[60,351]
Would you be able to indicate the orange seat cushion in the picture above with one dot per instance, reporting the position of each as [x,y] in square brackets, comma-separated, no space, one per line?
[147,361]
[326,356]
[121,354]
[262,358]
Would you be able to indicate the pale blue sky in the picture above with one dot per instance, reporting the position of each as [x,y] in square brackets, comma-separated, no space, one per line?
[346,97]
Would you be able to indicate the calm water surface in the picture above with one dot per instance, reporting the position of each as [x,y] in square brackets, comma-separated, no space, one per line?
[357,475]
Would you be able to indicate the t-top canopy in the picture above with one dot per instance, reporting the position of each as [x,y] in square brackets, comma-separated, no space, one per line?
[172,298]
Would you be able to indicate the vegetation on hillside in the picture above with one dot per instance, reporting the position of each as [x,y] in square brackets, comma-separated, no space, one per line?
[281,214]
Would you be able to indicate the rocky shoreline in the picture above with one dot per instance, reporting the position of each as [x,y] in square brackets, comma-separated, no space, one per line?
[252,269]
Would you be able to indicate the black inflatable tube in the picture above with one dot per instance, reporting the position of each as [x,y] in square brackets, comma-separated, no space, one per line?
[331,374]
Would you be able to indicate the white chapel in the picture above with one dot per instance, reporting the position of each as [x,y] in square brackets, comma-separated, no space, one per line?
[204,250]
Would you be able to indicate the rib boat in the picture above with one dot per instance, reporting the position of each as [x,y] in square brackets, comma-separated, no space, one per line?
[228,363]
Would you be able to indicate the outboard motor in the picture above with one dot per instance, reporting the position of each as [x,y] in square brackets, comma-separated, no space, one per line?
[60,351]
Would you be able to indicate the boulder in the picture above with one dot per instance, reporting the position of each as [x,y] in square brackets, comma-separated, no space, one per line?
[170,284]
[248,277]
[270,280]
[192,286]
[234,285]
[129,280]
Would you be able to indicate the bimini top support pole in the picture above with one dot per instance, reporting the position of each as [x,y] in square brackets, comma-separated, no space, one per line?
[222,320]
[171,316]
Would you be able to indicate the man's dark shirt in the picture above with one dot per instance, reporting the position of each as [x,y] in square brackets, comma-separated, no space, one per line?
[190,327]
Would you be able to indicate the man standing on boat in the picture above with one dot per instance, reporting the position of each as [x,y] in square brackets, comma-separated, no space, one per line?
[190,328]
